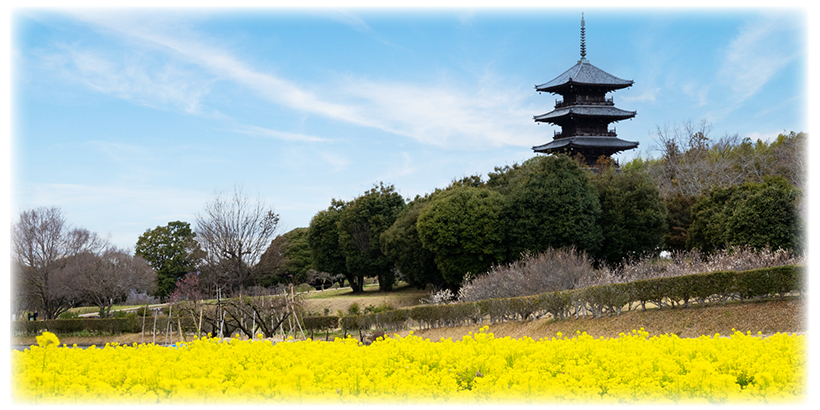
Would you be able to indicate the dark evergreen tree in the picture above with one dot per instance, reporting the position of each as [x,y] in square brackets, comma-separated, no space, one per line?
[287,260]
[323,239]
[551,203]
[402,246]
[753,214]
[678,219]
[361,224]
[633,218]
[462,227]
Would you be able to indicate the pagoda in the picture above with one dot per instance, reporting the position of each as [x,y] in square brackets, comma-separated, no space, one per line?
[585,112]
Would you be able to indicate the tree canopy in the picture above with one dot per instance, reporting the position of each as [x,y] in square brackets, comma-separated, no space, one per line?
[287,260]
[234,232]
[170,250]
[361,224]
[403,247]
[106,278]
[323,238]
[753,214]
[551,204]
[463,228]
[633,217]
[42,244]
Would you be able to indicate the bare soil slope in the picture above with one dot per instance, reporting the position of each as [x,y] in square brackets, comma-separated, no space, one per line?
[768,317]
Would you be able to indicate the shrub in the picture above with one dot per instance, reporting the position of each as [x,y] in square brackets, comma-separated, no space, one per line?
[68,315]
[549,271]
[439,297]
[320,322]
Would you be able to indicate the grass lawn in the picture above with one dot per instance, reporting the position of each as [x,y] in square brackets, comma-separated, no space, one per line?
[403,295]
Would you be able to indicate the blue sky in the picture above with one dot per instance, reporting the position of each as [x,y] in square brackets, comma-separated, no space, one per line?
[129,119]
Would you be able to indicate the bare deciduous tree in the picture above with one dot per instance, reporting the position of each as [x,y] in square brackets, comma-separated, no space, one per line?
[692,162]
[42,243]
[105,278]
[234,232]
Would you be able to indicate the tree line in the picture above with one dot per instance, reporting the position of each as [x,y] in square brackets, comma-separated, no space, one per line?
[700,193]
[56,267]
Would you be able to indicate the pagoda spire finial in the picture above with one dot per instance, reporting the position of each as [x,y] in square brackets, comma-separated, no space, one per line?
[583,41]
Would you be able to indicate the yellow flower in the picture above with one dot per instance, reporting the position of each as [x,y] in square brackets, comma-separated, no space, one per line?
[48,339]
[480,368]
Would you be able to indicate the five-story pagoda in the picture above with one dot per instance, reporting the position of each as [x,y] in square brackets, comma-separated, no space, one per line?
[585,112]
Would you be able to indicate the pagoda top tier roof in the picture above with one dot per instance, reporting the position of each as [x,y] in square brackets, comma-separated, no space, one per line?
[586,74]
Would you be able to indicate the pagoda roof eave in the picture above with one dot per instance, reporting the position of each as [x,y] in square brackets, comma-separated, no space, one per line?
[613,144]
[608,112]
[584,74]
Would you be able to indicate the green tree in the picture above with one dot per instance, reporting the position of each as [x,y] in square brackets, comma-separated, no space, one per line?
[323,238]
[707,230]
[551,203]
[402,246]
[462,227]
[360,226]
[678,219]
[769,216]
[633,218]
[753,214]
[298,259]
[287,260]
[171,250]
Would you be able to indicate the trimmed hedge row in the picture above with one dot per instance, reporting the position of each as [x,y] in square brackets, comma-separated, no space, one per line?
[596,300]
[391,319]
[320,322]
[129,324]
[67,326]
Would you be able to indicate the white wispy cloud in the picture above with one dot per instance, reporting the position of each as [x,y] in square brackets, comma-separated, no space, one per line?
[485,115]
[223,64]
[280,135]
[648,95]
[130,76]
[696,91]
[355,22]
[756,55]
[447,116]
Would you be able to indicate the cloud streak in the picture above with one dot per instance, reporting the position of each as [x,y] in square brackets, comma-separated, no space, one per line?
[131,77]
[755,56]
[269,133]
[441,115]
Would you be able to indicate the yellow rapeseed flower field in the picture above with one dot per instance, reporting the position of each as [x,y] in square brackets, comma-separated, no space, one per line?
[632,368]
